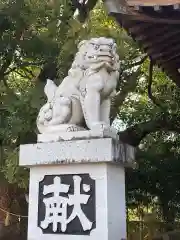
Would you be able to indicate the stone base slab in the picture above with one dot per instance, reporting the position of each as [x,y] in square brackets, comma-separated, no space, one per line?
[77,135]
[110,210]
[79,151]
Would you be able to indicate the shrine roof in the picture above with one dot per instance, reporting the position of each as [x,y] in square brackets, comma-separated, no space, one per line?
[155,25]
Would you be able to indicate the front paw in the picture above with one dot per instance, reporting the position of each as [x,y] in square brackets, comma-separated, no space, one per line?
[48,116]
[99,126]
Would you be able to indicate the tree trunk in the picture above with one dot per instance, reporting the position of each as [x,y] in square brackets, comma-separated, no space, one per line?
[168,216]
[12,200]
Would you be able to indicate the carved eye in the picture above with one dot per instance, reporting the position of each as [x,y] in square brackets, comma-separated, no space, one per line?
[96,47]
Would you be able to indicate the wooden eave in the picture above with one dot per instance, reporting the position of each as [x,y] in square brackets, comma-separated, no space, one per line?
[152,2]
[155,25]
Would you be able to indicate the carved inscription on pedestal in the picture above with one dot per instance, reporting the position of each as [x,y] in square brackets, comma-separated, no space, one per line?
[67,204]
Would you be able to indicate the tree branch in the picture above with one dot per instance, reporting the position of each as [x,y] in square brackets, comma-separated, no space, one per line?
[9,54]
[24,65]
[29,72]
[6,64]
[150,81]
[133,135]
[137,63]
[84,8]
[21,75]
[128,87]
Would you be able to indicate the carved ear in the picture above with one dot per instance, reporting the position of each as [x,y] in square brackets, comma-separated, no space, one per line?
[50,89]
[82,43]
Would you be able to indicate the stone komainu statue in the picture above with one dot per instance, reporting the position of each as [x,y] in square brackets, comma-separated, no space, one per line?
[85,94]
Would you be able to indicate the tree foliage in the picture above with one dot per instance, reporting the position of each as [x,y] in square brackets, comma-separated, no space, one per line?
[22,86]
[154,180]
[38,41]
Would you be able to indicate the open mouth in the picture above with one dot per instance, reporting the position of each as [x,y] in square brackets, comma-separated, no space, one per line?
[107,53]
[101,57]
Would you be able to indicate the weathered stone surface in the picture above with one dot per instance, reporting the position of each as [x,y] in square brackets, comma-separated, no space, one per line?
[79,151]
[85,94]
[110,212]
[78,135]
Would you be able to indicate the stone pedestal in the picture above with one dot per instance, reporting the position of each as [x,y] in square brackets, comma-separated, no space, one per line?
[77,189]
